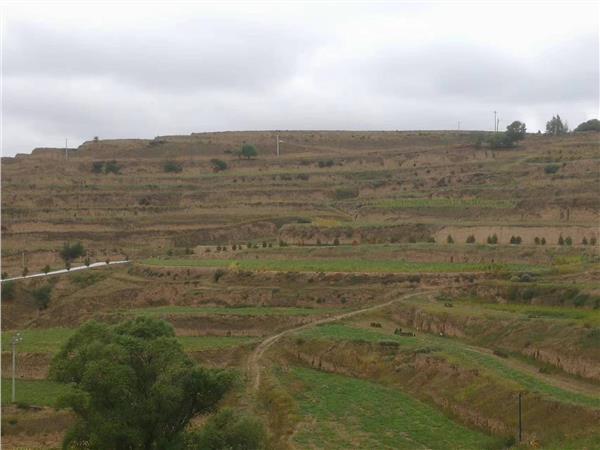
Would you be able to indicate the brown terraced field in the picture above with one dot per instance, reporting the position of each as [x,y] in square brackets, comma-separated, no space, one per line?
[358,268]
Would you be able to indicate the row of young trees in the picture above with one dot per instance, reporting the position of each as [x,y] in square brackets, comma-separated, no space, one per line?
[517,240]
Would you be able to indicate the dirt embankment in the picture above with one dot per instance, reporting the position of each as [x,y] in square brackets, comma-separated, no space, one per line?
[470,396]
[565,346]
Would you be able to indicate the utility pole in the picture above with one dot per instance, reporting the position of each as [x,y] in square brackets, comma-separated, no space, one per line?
[459,125]
[520,420]
[278,142]
[495,123]
[66,149]
[15,340]
[498,125]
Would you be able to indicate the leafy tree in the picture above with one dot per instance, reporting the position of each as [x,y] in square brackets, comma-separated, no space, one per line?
[134,386]
[46,269]
[584,241]
[25,271]
[537,240]
[561,240]
[543,241]
[218,165]
[97,166]
[471,239]
[516,131]
[112,167]
[8,290]
[590,125]
[449,239]
[228,430]
[248,151]
[87,262]
[70,252]
[555,126]
[568,240]
[42,296]
[172,167]
[551,168]
[68,265]
[593,241]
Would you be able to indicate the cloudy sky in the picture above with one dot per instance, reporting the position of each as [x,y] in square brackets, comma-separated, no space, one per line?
[73,70]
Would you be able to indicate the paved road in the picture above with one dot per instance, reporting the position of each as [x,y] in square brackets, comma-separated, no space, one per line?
[73,269]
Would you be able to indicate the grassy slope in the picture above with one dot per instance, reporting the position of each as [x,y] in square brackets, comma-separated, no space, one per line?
[457,352]
[342,412]
[340,265]
[50,340]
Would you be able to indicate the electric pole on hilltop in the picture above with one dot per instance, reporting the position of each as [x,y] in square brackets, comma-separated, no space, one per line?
[14,341]
[278,142]
[495,123]
[66,149]
[459,125]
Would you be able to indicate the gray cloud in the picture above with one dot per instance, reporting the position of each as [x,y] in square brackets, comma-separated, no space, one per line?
[386,67]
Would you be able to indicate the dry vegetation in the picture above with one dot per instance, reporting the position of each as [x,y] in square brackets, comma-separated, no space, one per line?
[340,222]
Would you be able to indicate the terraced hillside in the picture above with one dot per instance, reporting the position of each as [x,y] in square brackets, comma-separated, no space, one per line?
[347,187]
[372,289]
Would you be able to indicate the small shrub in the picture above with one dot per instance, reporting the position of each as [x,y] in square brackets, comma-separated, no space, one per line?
[172,167]
[87,262]
[500,353]
[584,241]
[25,271]
[8,290]
[97,166]
[112,167]
[471,239]
[326,163]
[593,241]
[218,274]
[561,240]
[536,240]
[336,241]
[218,165]
[42,296]
[543,241]
[449,239]
[568,240]
[345,193]
[551,169]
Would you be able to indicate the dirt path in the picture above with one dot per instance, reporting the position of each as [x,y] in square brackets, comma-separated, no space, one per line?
[567,383]
[253,363]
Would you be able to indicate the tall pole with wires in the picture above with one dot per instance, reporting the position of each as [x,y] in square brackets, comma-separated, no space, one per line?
[14,341]
[495,123]
[66,149]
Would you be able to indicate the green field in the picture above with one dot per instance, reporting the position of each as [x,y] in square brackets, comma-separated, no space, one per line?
[50,340]
[38,340]
[454,351]
[341,265]
[453,203]
[34,392]
[237,311]
[340,412]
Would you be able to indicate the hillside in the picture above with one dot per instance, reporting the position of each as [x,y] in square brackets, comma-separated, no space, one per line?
[415,269]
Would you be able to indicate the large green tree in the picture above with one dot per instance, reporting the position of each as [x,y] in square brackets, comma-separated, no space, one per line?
[135,388]
[516,131]
[556,126]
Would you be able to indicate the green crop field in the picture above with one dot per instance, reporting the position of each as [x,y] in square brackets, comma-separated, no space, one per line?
[237,311]
[50,340]
[34,392]
[455,351]
[340,412]
[38,340]
[455,203]
[341,265]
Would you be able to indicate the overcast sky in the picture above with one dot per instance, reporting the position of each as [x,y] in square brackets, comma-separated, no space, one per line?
[73,71]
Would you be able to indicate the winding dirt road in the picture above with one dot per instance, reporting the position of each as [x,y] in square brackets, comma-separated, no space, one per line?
[253,363]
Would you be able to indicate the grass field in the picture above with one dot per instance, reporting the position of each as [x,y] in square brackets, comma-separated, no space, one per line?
[238,311]
[455,351]
[339,412]
[454,203]
[341,265]
[34,392]
[50,340]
